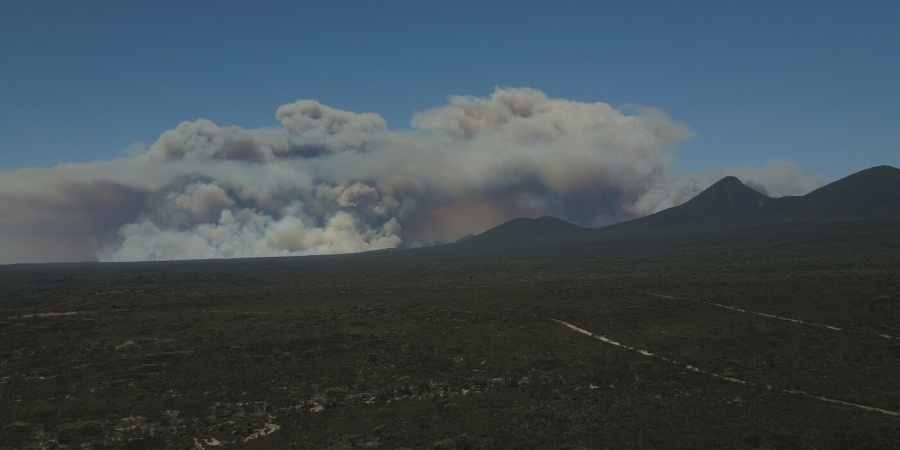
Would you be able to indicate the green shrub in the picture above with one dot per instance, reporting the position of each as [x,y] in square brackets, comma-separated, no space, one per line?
[68,432]
[444,444]
[16,426]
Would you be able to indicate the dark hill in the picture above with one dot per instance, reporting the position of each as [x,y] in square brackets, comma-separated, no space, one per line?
[872,194]
[728,201]
[523,229]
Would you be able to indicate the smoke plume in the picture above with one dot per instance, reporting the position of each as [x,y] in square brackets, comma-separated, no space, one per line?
[332,181]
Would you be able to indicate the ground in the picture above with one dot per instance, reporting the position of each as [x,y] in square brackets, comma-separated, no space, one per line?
[456,348]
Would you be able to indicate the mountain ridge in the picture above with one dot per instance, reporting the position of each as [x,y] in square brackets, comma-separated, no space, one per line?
[870,194]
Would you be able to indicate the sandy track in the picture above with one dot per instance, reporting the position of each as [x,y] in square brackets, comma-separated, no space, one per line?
[772,316]
[45,314]
[722,377]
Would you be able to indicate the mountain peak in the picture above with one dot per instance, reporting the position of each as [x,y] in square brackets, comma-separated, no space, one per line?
[525,228]
[729,180]
[872,193]
[728,197]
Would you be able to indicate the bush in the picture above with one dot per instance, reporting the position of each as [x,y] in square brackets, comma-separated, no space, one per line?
[335,396]
[444,444]
[81,429]
[16,426]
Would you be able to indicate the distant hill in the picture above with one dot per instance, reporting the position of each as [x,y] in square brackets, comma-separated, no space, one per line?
[872,194]
[869,194]
[727,201]
[524,229]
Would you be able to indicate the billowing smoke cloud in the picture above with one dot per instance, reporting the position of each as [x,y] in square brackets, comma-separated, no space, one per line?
[332,181]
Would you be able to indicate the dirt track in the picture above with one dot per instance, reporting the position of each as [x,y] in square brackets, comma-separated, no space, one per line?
[721,377]
[772,316]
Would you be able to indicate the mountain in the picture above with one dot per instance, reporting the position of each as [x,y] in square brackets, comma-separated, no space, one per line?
[730,199]
[727,201]
[517,230]
[871,194]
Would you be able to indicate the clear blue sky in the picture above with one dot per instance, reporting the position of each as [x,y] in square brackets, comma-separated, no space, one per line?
[816,83]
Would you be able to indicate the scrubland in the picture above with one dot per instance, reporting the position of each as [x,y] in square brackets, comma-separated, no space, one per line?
[455,346]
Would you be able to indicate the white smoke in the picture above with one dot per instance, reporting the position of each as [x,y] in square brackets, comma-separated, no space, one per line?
[332,181]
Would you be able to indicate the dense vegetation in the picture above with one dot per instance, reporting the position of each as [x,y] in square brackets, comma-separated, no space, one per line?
[454,346]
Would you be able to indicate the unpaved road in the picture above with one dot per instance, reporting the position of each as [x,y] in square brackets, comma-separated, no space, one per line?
[772,316]
[721,377]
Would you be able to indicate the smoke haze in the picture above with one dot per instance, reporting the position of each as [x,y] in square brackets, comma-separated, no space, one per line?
[332,181]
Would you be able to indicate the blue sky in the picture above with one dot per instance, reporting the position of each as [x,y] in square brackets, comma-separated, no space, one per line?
[137,130]
[815,83]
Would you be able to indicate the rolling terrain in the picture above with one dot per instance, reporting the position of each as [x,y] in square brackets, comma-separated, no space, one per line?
[872,194]
[733,321]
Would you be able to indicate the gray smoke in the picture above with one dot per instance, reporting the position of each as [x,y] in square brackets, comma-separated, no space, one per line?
[332,181]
